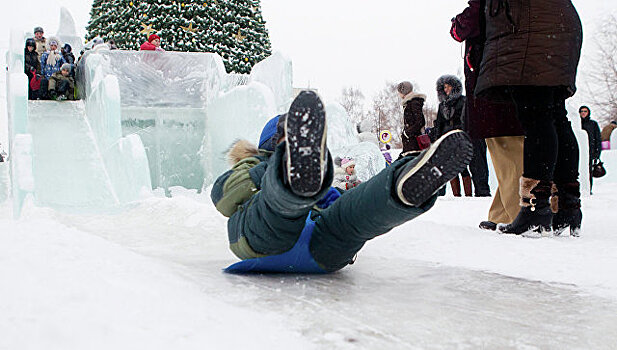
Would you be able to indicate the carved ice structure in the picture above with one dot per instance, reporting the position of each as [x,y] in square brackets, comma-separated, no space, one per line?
[147,120]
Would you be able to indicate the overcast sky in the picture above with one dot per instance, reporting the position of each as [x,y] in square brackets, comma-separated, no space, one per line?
[337,43]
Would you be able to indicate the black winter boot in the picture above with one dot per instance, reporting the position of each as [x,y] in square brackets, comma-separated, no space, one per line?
[535,217]
[419,179]
[568,213]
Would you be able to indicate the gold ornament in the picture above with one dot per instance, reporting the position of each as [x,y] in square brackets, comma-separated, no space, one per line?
[190,28]
[246,59]
[239,36]
[131,3]
[182,4]
[147,29]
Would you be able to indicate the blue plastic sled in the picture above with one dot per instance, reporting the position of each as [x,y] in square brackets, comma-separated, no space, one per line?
[296,260]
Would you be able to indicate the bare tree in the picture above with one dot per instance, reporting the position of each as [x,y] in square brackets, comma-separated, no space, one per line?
[604,74]
[388,112]
[352,99]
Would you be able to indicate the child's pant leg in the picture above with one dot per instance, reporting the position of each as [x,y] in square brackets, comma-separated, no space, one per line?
[273,219]
[361,214]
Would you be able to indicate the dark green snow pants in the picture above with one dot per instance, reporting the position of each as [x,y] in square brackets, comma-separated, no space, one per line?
[272,220]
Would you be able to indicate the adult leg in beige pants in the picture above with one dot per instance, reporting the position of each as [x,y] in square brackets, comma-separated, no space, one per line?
[507,157]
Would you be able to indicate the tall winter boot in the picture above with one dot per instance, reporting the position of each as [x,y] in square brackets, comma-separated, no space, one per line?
[566,204]
[535,217]
[467,186]
[456,186]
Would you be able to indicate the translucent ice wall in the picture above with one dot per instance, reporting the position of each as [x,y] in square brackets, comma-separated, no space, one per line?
[343,141]
[71,154]
[17,112]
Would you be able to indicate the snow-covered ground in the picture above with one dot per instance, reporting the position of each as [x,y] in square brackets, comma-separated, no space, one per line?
[150,277]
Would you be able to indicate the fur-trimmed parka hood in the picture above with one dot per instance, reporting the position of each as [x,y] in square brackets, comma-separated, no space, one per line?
[53,38]
[410,96]
[457,88]
[239,150]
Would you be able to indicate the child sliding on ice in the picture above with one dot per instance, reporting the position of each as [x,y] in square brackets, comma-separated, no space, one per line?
[285,217]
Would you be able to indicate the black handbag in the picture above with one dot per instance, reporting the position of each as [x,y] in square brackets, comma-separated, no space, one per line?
[597,169]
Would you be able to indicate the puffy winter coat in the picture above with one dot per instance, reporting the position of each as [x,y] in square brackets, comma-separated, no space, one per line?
[31,62]
[57,78]
[413,119]
[50,69]
[41,46]
[450,111]
[343,180]
[595,137]
[484,117]
[148,46]
[530,42]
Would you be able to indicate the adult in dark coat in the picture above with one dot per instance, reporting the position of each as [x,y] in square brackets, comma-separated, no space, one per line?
[531,54]
[450,117]
[413,117]
[595,139]
[31,64]
[490,123]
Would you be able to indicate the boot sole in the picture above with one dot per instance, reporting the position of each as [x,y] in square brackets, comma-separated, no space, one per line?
[440,163]
[306,130]
[537,231]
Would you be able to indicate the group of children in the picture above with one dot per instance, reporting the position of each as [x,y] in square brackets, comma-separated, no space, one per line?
[50,68]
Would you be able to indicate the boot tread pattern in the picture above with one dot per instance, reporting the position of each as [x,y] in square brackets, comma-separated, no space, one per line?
[305,130]
[450,156]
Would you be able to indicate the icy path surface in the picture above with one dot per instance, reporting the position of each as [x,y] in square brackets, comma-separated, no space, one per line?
[436,283]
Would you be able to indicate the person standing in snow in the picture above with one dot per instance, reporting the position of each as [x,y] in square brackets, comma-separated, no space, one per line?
[450,117]
[284,216]
[595,140]
[153,44]
[493,121]
[345,177]
[51,62]
[413,117]
[531,56]
[32,67]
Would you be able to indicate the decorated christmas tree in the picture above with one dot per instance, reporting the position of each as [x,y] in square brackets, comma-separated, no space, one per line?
[234,29]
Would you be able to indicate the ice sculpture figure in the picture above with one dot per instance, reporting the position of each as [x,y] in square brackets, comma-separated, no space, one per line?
[67,33]
[238,114]
[343,141]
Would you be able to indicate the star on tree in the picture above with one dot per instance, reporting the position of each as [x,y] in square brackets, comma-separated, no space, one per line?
[147,29]
[239,36]
[189,28]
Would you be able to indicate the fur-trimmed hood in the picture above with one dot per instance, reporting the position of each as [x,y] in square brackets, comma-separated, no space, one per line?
[457,88]
[239,150]
[410,96]
[56,39]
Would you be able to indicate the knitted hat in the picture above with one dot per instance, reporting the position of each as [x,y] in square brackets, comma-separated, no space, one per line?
[267,133]
[347,162]
[38,30]
[66,66]
[30,42]
[153,37]
[53,42]
[404,87]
